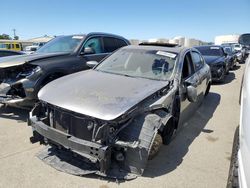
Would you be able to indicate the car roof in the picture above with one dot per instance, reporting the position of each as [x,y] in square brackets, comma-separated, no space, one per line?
[109,34]
[207,46]
[96,33]
[147,47]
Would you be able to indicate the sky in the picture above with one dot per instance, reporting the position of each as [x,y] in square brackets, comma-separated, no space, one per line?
[133,19]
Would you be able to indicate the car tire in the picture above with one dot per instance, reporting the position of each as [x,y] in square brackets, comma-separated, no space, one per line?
[142,129]
[222,80]
[172,124]
[233,181]
[168,132]
[155,148]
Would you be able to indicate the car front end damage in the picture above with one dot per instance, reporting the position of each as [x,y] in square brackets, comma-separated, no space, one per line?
[218,71]
[118,148]
[17,84]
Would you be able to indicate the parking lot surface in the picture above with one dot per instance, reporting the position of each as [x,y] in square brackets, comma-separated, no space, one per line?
[199,156]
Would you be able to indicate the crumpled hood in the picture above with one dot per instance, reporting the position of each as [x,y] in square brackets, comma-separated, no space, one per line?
[22,59]
[213,59]
[97,94]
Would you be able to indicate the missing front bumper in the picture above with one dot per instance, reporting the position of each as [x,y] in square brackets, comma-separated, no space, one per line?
[76,156]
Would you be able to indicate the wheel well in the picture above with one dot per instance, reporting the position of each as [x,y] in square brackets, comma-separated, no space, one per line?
[176,110]
[51,77]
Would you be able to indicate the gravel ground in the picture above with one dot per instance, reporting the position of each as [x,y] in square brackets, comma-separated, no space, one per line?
[199,156]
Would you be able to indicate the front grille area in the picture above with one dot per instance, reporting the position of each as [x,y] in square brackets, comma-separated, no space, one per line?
[79,126]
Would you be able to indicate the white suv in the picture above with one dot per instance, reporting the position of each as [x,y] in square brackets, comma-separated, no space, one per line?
[239,174]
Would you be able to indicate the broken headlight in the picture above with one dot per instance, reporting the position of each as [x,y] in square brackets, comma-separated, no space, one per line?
[29,71]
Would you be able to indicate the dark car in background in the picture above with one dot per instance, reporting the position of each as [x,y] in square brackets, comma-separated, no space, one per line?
[21,77]
[217,59]
[238,51]
[232,58]
[116,116]
[4,53]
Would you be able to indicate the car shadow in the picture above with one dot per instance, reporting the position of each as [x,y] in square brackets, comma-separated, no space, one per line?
[171,156]
[19,115]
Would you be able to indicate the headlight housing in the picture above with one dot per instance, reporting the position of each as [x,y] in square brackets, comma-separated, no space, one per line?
[29,71]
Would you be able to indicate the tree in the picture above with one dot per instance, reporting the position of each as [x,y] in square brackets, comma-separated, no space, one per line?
[5,36]
[16,38]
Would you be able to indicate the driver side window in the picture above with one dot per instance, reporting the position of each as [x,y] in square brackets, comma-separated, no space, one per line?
[95,43]
[188,67]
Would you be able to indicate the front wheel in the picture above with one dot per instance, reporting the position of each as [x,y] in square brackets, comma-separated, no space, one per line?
[222,80]
[155,148]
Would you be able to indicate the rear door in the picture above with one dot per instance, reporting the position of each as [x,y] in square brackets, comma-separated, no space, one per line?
[111,44]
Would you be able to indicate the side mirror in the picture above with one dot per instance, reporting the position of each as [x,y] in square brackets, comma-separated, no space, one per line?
[191,93]
[88,50]
[92,64]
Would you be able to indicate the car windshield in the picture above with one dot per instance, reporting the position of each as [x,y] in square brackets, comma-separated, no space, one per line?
[210,51]
[228,50]
[61,44]
[149,64]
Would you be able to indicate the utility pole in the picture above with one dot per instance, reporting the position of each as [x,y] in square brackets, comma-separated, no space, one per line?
[14,31]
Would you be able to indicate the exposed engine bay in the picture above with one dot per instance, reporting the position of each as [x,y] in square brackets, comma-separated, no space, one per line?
[11,82]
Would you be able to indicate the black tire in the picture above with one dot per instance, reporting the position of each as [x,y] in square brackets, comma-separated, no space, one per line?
[172,124]
[233,181]
[142,129]
[155,148]
[222,80]
[227,71]
[168,132]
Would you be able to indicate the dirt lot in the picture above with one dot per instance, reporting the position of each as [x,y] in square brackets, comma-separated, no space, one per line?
[199,156]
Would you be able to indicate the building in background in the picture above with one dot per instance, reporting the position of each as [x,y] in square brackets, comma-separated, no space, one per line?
[226,39]
[29,42]
[134,41]
[183,41]
[40,39]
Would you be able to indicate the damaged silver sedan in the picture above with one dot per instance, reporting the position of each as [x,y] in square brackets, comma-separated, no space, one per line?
[115,117]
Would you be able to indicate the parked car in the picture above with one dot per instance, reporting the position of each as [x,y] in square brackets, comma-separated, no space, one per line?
[15,46]
[232,58]
[217,59]
[239,173]
[34,46]
[237,50]
[4,53]
[22,77]
[118,114]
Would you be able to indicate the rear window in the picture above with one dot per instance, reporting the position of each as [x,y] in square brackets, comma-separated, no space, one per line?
[112,44]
